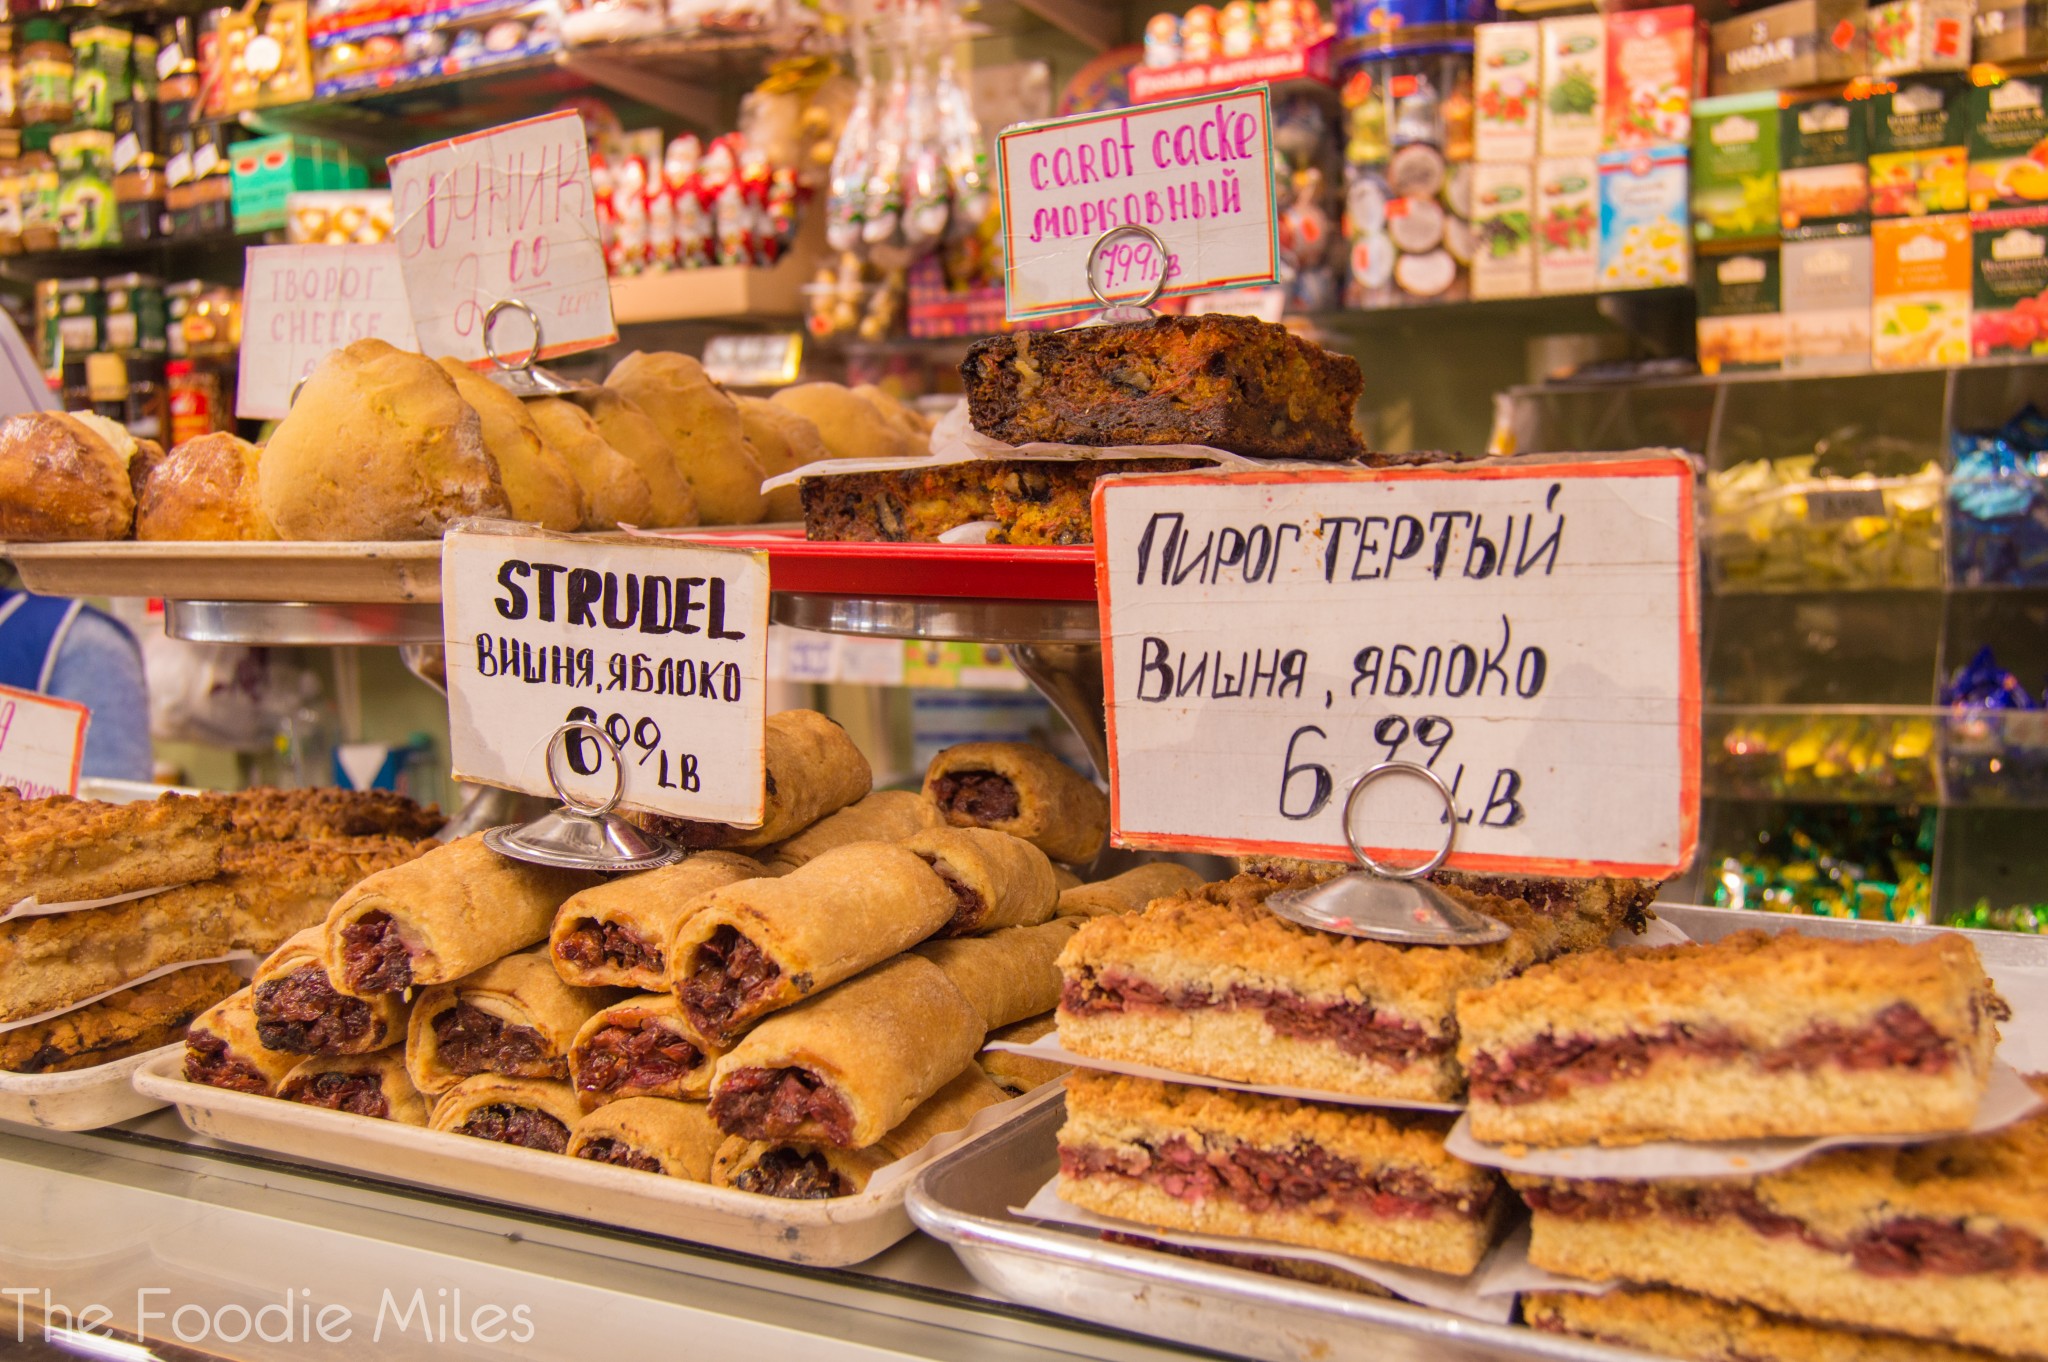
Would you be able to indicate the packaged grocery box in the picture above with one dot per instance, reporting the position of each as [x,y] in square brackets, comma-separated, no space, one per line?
[1649,76]
[1825,287]
[1920,291]
[1508,69]
[1740,322]
[1735,167]
[1801,42]
[1918,161]
[1568,225]
[1906,36]
[2010,30]
[2010,285]
[2008,141]
[1643,238]
[1823,163]
[1503,242]
[1574,78]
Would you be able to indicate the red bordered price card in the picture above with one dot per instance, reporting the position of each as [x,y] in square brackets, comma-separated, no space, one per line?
[1528,630]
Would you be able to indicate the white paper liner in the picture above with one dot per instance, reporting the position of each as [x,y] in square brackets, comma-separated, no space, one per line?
[987,1118]
[973,532]
[2007,1099]
[1656,932]
[2023,1040]
[1438,1290]
[122,988]
[1048,1048]
[1507,1271]
[29,907]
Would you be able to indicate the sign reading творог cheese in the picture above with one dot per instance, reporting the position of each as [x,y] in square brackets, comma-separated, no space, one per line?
[1527,630]
[663,645]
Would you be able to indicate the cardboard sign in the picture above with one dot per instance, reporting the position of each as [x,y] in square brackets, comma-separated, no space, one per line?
[42,743]
[504,214]
[1527,630]
[299,303]
[663,644]
[1198,172]
[769,361]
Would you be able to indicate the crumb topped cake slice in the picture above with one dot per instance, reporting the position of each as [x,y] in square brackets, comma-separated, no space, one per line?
[1686,1324]
[1753,1036]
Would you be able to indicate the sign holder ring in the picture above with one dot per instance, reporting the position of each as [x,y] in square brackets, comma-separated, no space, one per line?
[1136,309]
[582,835]
[523,377]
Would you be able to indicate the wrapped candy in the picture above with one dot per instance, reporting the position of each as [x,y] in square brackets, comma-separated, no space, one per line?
[1237,29]
[1198,34]
[724,200]
[628,253]
[1779,525]
[601,196]
[1162,40]
[1995,736]
[1998,497]
[1874,864]
[846,185]
[680,176]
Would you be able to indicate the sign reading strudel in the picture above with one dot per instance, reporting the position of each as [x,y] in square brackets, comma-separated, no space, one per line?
[662,645]
[1528,630]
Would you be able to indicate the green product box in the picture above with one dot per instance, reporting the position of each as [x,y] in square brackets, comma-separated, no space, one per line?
[1735,167]
[1919,162]
[1823,163]
[1741,323]
[2008,141]
[2009,283]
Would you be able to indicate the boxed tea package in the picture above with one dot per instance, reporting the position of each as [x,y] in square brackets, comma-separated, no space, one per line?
[2010,30]
[1919,163]
[1825,291]
[1907,36]
[1503,244]
[1643,239]
[2009,315]
[1800,42]
[1567,225]
[1649,76]
[1740,323]
[1735,167]
[1823,163]
[1507,62]
[1920,291]
[1572,119]
[2008,141]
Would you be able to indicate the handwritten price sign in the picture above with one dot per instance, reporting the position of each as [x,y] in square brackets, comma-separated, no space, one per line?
[503,215]
[301,302]
[1528,631]
[42,743]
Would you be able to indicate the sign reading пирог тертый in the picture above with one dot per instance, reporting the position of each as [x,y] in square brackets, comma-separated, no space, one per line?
[662,645]
[1526,630]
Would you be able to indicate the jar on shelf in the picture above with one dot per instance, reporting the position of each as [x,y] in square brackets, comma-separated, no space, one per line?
[178,301]
[148,415]
[80,308]
[197,400]
[10,206]
[37,169]
[10,102]
[43,73]
[106,383]
[100,55]
[85,189]
[135,320]
[1408,175]
[213,328]
[141,189]
[177,71]
[72,391]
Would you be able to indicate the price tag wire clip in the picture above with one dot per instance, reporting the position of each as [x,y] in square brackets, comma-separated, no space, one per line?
[581,835]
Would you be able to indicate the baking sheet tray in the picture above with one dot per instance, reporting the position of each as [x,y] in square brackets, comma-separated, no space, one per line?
[953,571]
[963,1197]
[83,1099]
[368,573]
[832,1233]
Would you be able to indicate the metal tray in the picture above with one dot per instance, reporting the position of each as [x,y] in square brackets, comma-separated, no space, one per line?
[963,1199]
[370,573]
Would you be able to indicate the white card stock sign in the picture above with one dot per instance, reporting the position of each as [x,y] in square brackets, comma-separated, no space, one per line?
[300,303]
[42,743]
[663,645]
[1526,630]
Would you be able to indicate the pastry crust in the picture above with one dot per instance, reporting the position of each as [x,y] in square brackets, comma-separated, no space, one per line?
[131,1022]
[873,1048]
[1047,802]
[1128,892]
[883,816]
[616,934]
[627,429]
[997,880]
[641,1047]
[266,815]
[222,1050]
[850,426]
[1018,1074]
[703,426]
[1008,975]
[783,442]
[1686,1324]
[65,477]
[493,1103]
[539,486]
[204,489]
[615,492]
[298,1011]
[64,850]
[680,1137]
[812,770]
[532,1019]
[375,1085]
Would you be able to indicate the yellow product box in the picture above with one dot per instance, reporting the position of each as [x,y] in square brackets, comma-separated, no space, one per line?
[1920,291]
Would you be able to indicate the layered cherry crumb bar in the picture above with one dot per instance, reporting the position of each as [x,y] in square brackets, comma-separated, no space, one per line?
[1369,1183]
[1686,1324]
[1755,1035]
[1946,1240]
[1211,982]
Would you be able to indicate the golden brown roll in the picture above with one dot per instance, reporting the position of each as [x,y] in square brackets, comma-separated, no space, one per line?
[1024,790]
[533,1113]
[1128,892]
[898,414]
[379,445]
[615,492]
[539,485]
[437,918]
[997,880]
[616,933]
[641,1047]
[847,1066]
[65,477]
[514,1017]
[651,1134]
[850,425]
[784,442]
[703,425]
[204,489]
[884,816]
[222,1050]
[300,1012]
[813,769]
[1007,975]
[755,947]
[627,429]
[808,1172]
[374,1085]
[1018,1074]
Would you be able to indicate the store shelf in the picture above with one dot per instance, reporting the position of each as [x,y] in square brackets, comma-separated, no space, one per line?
[170,255]
[737,292]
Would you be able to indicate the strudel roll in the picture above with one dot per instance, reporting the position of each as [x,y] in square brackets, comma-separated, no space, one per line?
[1699,1328]
[374,1085]
[1018,1074]
[1128,892]
[811,1172]
[813,769]
[534,1113]
[65,850]
[884,816]
[997,880]
[447,914]
[845,1067]
[641,1047]
[1755,1035]
[222,1050]
[1946,1240]
[616,934]
[299,1011]
[1007,975]
[513,1017]
[1023,790]
[751,948]
[1371,1183]
[132,1022]
[652,1134]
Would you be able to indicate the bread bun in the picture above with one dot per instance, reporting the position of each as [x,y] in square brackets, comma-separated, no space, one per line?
[615,490]
[899,414]
[204,489]
[850,425]
[703,424]
[380,445]
[539,484]
[627,429]
[785,442]
[65,477]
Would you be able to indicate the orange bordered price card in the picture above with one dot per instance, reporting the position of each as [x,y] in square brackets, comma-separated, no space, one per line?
[42,743]
[1526,629]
